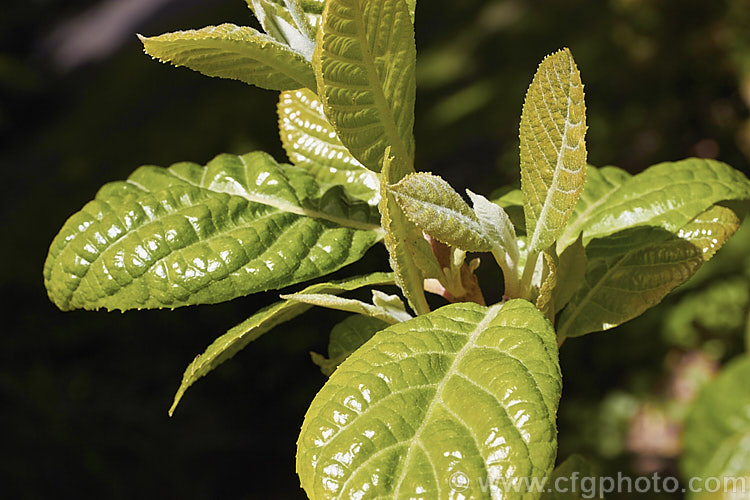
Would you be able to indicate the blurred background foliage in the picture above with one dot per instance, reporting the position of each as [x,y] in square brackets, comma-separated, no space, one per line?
[85,395]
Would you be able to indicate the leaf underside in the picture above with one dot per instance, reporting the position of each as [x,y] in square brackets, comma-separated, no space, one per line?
[553,148]
[365,67]
[238,337]
[311,143]
[633,270]
[195,235]
[465,389]
[404,241]
[234,52]
[347,337]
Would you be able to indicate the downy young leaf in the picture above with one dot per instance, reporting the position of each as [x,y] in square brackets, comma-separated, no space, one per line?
[499,231]
[291,22]
[409,253]
[312,144]
[347,337]
[632,270]
[667,195]
[434,207]
[574,479]
[312,9]
[238,337]
[553,148]
[464,394]
[234,52]
[601,183]
[365,67]
[395,313]
[717,430]
[196,235]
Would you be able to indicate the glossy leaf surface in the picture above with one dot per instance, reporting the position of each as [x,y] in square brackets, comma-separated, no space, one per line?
[311,143]
[440,401]
[237,338]
[234,52]
[667,195]
[601,183]
[717,430]
[195,235]
[553,148]
[631,271]
[365,67]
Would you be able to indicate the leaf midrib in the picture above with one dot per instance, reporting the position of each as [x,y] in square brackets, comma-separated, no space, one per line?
[490,315]
[389,124]
[554,185]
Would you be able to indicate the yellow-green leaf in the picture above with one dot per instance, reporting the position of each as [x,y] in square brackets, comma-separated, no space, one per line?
[238,337]
[630,271]
[311,143]
[404,241]
[553,148]
[234,52]
[365,67]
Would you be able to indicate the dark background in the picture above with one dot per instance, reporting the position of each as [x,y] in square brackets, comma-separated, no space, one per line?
[84,395]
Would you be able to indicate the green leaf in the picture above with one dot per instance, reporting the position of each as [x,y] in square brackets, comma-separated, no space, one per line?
[290,26]
[312,144]
[667,195]
[235,52]
[717,429]
[347,337]
[238,337]
[364,63]
[196,235]
[409,253]
[553,148]
[571,271]
[574,479]
[395,312]
[459,396]
[434,207]
[601,183]
[632,270]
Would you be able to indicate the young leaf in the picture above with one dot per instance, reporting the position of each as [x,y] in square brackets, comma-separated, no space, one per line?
[312,144]
[365,67]
[667,195]
[393,314]
[631,271]
[409,252]
[312,10]
[238,337]
[601,183]
[278,21]
[466,392]
[347,337]
[717,430]
[553,149]
[195,235]
[235,52]
[499,231]
[545,301]
[434,207]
